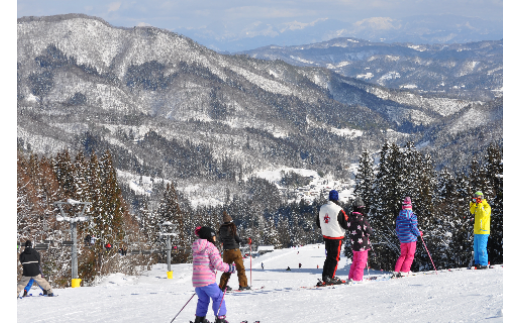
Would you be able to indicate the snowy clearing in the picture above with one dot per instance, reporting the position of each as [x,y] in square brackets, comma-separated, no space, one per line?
[459,296]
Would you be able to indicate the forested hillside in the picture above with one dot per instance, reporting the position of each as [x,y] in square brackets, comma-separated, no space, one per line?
[151,127]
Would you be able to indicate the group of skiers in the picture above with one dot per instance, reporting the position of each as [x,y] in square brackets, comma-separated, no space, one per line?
[333,222]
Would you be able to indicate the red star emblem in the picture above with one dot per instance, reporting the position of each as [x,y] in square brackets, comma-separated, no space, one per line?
[326,218]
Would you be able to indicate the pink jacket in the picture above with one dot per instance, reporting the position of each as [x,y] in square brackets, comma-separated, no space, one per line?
[206,260]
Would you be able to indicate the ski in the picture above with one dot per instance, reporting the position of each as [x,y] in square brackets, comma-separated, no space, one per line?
[245,290]
[36,296]
[323,284]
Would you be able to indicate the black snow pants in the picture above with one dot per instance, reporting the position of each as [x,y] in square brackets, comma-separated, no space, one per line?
[333,248]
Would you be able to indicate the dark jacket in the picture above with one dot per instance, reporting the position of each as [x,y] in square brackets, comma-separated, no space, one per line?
[359,231]
[30,260]
[342,219]
[226,237]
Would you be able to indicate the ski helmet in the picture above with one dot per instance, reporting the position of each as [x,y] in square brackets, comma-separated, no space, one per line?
[478,194]
[358,202]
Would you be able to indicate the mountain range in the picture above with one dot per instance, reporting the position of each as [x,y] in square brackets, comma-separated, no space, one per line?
[169,107]
[468,70]
[420,29]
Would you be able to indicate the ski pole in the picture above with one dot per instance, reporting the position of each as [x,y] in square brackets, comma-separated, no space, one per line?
[424,244]
[183,307]
[221,300]
[250,264]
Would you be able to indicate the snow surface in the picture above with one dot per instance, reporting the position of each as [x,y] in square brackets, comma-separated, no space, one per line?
[346,132]
[365,76]
[460,296]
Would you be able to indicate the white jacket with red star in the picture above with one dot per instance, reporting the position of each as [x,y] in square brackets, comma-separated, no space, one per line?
[332,220]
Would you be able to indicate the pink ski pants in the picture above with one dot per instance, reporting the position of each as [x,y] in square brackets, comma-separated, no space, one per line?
[404,262]
[357,267]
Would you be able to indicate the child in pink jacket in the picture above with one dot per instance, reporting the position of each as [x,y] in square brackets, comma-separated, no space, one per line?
[206,261]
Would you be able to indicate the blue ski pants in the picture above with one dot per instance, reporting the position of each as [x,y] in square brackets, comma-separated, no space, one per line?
[29,285]
[206,293]
[480,249]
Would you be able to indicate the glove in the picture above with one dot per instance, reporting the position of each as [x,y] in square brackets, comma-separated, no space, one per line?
[420,232]
[250,241]
[232,269]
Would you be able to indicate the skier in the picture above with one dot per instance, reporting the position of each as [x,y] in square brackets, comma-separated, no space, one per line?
[29,286]
[481,228]
[407,232]
[288,268]
[227,235]
[31,282]
[300,265]
[262,266]
[206,260]
[30,260]
[359,230]
[332,219]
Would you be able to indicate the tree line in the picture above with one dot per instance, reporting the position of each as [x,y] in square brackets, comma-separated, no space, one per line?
[132,221]
[440,201]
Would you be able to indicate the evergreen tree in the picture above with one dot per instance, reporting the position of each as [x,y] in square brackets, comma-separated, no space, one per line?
[494,170]
[365,180]
[385,209]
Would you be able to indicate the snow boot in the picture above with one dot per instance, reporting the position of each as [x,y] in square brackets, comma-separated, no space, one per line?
[50,295]
[221,319]
[482,267]
[396,275]
[227,289]
[244,288]
[335,281]
[24,293]
[200,319]
[321,283]
[44,292]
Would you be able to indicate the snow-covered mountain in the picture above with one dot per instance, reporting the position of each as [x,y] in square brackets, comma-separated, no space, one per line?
[169,107]
[470,70]
[421,29]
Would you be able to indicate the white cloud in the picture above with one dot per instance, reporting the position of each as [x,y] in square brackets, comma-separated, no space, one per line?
[114,6]
[143,24]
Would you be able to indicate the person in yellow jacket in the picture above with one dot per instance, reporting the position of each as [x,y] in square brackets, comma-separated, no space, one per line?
[482,211]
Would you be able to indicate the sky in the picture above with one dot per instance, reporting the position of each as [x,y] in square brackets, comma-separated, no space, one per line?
[236,14]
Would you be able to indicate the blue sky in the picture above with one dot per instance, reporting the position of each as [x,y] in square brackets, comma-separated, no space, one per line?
[237,14]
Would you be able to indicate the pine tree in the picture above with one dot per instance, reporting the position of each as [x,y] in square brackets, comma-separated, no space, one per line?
[169,211]
[494,170]
[385,209]
[64,169]
[365,180]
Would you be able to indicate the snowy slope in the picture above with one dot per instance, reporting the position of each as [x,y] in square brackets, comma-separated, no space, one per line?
[462,296]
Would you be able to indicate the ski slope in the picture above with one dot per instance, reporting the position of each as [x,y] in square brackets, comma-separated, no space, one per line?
[459,296]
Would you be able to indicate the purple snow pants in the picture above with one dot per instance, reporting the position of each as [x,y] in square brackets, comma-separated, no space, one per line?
[359,261]
[404,262]
[205,294]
